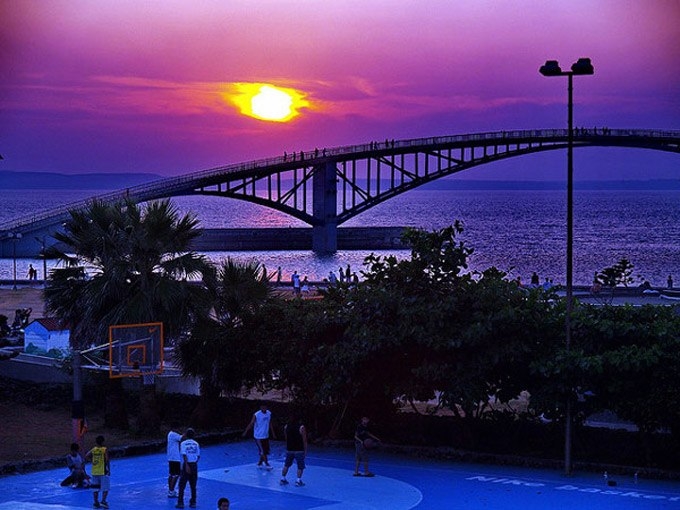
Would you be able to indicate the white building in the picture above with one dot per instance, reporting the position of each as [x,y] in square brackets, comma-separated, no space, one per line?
[43,335]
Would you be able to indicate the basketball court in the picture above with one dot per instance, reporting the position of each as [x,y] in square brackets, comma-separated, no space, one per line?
[401,483]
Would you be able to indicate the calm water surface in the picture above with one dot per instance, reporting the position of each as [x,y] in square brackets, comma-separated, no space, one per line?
[516,231]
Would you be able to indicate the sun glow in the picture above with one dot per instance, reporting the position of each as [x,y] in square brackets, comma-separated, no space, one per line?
[267,102]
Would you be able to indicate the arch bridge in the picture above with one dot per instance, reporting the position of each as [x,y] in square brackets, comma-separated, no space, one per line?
[325,188]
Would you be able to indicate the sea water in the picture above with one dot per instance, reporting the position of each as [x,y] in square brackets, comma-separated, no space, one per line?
[516,231]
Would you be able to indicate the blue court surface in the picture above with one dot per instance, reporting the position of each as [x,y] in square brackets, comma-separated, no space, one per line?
[401,483]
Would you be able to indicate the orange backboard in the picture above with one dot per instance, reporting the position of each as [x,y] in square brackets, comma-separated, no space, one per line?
[136,349]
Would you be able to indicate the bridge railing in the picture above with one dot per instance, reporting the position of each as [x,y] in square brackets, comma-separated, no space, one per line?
[173,185]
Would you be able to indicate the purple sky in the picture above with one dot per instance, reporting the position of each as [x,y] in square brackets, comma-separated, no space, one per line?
[139,86]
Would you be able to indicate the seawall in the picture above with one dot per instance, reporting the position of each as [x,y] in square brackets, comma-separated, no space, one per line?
[252,239]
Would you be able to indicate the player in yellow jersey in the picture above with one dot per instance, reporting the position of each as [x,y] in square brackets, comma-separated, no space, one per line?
[99,455]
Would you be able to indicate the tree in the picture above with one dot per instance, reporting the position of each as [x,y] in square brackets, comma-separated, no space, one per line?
[127,264]
[220,350]
[503,328]
[631,357]
[424,328]
[412,330]
[376,341]
[623,359]
[620,273]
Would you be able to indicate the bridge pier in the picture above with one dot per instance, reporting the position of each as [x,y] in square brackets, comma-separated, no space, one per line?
[324,205]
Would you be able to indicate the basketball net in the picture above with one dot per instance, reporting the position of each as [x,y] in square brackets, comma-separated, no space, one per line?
[148,376]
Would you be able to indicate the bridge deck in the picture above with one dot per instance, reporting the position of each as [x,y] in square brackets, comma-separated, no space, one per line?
[325,188]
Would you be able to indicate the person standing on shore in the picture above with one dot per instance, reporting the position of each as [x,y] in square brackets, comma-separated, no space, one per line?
[535,281]
[261,423]
[174,461]
[296,282]
[190,452]
[296,449]
[101,472]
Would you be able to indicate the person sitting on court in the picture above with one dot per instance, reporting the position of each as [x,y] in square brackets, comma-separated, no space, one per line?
[363,441]
[223,504]
[78,477]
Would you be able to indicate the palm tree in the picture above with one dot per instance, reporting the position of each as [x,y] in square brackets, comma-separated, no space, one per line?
[140,268]
[218,351]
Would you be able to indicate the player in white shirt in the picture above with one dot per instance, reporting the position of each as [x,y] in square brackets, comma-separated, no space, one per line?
[190,452]
[261,423]
[174,462]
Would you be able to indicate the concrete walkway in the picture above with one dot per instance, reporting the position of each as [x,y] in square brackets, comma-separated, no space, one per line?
[401,483]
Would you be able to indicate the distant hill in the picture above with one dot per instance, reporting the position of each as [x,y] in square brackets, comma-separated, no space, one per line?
[51,180]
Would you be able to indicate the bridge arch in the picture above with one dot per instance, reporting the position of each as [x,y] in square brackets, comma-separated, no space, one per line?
[325,188]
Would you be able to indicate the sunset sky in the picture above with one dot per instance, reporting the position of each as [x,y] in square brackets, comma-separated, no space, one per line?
[148,86]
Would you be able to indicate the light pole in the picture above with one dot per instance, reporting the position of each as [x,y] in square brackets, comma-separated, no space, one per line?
[43,253]
[551,68]
[15,236]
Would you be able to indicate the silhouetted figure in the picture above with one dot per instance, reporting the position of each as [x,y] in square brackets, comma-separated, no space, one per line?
[21,318]
[534,279]
[4,326]
[295,280]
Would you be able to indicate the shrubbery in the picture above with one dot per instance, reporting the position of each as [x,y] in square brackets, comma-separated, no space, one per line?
[424,329]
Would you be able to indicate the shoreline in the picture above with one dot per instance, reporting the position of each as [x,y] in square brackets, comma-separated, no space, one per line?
[23,297]
[29,295]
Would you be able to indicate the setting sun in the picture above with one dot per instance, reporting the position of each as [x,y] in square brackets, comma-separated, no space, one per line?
[268,102]
[271,104]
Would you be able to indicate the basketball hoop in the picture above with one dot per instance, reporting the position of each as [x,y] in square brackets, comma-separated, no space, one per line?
[136,350]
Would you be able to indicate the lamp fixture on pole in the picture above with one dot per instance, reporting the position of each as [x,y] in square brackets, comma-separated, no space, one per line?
[552,68]
[15,236]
